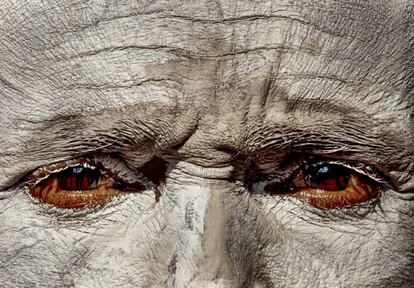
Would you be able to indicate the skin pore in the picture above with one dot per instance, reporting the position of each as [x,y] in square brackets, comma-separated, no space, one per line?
[205,104]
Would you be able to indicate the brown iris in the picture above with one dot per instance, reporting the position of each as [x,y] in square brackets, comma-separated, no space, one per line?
[80,186]
[327,185]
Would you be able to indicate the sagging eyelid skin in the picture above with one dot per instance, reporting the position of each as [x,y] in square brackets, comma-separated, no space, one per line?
[206,144]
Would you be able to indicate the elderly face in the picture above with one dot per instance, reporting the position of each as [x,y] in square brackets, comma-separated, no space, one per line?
[206,143]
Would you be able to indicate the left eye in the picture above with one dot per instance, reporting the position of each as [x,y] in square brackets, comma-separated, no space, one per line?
[326,185]
[80,185]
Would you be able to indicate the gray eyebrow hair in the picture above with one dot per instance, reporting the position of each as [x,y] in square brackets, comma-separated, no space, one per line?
[110,135]
[353,134]
[322,105]
[105,132]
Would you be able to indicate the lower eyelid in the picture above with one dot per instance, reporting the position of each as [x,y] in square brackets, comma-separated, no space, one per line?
[54,196]
[49,191]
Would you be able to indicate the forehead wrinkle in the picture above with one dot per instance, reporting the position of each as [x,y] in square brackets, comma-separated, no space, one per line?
[37,106]
[323,94]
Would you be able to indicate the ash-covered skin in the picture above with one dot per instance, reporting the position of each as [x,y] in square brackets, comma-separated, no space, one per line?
[213,88]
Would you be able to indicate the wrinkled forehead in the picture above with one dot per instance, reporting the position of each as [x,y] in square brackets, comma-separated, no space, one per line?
[69,57]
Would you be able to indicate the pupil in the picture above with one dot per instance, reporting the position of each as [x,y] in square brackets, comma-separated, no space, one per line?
[77,170]
[78,178]
[323,169]
[329,177]
[326,171]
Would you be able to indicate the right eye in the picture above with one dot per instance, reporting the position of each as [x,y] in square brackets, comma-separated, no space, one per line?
[78,185]
[327,185]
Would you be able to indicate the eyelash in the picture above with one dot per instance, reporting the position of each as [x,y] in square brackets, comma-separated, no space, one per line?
[106,164]
[304,164]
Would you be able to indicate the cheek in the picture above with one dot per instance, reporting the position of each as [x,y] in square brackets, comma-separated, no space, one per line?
[105,247]
[152,240]
[28,243]
[134,235]
[354,252]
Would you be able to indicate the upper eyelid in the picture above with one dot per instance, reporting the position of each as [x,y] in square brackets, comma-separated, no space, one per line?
[355,166]
[44,172]
[373,175]
[368,171]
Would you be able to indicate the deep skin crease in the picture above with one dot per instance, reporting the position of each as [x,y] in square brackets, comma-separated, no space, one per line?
[213,88]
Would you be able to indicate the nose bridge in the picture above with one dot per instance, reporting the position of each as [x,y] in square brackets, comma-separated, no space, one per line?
[201,258]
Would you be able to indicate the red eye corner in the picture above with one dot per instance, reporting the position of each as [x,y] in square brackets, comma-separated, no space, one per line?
[327,186]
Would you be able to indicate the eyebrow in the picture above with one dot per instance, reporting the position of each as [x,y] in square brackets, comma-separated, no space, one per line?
[106,133]
[112,132]
[352,133]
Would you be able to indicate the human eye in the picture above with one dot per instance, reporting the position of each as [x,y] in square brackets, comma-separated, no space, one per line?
[84,182]
[325,183]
